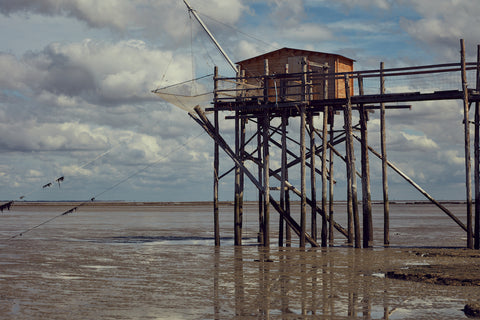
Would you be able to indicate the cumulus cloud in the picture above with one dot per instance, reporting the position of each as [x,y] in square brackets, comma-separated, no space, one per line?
[144,16]
[442,23]
[91,71]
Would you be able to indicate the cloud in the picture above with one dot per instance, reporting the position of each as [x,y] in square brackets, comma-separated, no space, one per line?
[146,17]
[442,23]
[91,71]
[351,4]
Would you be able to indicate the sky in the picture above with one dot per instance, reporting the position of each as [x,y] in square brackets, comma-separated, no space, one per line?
[76,80]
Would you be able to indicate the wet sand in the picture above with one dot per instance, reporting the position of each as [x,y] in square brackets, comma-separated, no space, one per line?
[159,262]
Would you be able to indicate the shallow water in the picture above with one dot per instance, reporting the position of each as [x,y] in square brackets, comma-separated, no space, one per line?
[160,263]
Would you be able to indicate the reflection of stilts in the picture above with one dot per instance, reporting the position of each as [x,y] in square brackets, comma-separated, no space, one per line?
[239,281]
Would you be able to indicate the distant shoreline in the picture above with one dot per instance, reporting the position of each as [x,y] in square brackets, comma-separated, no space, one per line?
[194,203]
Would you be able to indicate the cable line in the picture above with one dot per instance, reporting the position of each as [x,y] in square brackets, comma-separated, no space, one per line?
[181,146]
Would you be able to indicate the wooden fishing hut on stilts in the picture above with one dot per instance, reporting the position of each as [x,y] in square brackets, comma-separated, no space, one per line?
[274,88]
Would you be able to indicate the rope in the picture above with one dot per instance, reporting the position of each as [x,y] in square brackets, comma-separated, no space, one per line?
[108,189]
[240,31]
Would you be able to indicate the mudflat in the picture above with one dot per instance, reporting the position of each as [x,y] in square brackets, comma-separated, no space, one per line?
[159,262]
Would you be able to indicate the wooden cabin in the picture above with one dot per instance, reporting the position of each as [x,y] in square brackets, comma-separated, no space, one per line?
[288,60]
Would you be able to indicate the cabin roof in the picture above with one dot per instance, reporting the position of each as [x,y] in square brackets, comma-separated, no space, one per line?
[297,52]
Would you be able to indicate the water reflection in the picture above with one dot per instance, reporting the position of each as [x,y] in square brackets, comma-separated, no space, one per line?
[289,283]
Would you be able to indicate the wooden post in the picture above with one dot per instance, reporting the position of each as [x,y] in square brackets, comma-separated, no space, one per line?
[237,216]
[266,181]
[242,157]
[351,163]
[313,181]
[266,164]
[331,183]
[216,222]
[303,188]
[239,133]
[283,179]
[366,196]
[324,233]
[467,146]
[288,230]
[386,203]
[477,158]
[260,180]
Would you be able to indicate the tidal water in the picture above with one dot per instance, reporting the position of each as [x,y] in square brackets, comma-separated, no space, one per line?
[160,262]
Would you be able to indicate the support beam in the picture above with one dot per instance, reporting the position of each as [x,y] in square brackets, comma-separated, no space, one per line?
[352,179]
[386,202]
[324,234]
[331,183]
[466,121]
[283,188]
[313,180]
[266,182]
[477,158]
[303,187]
[366,196]
[260,180]
[216,165]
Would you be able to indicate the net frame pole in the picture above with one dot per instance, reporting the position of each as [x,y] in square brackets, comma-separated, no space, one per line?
[190,9]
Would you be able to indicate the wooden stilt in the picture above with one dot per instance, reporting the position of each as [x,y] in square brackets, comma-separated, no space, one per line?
[266,164]
[237,216]
[324,231]
[351,163]
[239,181]
[386,203]
[331,184]
[366,196]
[283,178]
[266,182]
[303,188]
[477,159]
[466,120]
[216,162]
[260,180]
[288,230]
[313,180]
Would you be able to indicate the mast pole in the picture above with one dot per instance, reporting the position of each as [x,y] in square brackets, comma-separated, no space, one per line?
[190,9]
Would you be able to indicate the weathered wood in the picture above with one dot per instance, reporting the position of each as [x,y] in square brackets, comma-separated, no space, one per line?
[283,178]
[292,223]
[477,158]
[266,182]
[331,183]
[266,164]
[216,166]
[366,196]
[237,220]
[303,187]
[351,165]
[313,180]
[468,178]
[386,203]
[324,232]
[260,180]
